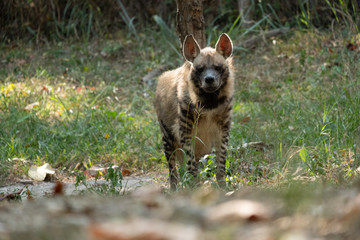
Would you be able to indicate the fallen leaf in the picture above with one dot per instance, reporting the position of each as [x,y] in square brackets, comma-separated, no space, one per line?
[245,120]
[87,173]
[11,196]
[30,107]
[39,173]
[351,47]
[59,188]
[95,171]
[45,89]
[90,88]
[29,195]
[125,172]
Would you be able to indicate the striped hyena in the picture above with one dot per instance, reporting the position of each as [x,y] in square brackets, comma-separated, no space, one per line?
[194,106]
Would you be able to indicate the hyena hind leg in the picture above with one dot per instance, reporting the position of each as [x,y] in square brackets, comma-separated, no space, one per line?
[173,173]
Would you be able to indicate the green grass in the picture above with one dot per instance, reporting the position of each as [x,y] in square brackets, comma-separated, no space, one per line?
[300,96]
[303,98]
[92,105]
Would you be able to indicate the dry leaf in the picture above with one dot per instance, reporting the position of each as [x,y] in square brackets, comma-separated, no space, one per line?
[39,173]
[125,172]
[29,195]
[45,89]
[59,188]
[245,120]
[351,47]
[95,171]
[30,107]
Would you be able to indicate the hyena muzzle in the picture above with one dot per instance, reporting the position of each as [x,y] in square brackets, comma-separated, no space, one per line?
[194,106]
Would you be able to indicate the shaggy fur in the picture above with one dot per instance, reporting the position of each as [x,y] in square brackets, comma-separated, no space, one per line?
[194,106]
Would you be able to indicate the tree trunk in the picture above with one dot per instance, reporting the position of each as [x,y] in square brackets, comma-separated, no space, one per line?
[190,20]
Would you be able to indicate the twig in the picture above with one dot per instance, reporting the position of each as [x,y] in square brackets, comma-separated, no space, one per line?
[254,41]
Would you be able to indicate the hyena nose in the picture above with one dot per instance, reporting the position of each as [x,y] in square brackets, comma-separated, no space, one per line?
[209,79]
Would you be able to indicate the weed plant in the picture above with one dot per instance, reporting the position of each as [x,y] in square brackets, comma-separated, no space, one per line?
[69,102]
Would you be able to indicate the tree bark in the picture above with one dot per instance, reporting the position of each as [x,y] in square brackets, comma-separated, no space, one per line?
[190,20]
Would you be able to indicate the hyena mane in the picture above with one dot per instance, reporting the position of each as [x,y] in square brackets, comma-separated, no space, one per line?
[194,106]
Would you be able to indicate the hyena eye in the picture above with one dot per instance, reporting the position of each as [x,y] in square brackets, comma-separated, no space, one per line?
[218,68]
[199,69]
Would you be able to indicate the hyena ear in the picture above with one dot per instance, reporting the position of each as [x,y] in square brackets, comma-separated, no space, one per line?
[224,45]
[190,48]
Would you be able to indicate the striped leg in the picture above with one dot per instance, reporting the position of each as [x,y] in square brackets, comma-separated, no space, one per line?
[186,120]
[169,149]
[221,151]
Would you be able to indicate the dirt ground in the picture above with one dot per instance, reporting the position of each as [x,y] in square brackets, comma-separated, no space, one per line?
[148,211]
[45,188]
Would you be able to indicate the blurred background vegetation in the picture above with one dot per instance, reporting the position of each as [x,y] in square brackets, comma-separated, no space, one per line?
[77,79]
[45,20]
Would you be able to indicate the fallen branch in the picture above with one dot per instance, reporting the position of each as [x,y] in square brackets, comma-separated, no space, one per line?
[254,41]
[11,196]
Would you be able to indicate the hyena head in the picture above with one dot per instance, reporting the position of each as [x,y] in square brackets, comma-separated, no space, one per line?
[210,68]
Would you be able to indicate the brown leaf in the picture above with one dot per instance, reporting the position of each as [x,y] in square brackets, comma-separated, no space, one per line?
[59,188]
[125,172]
[28,193]
[45,89]
[87,173]
[30,107]
[351,47]
[245,120]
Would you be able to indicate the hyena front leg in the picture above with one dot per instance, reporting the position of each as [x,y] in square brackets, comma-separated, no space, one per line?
[221,152]
[186,128]
[169,149]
